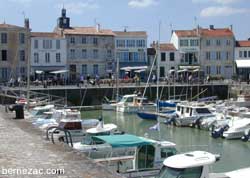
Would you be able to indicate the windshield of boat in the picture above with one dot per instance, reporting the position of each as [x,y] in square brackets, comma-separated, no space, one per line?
[167,172]
[88,140]
[202,111]
[167,152]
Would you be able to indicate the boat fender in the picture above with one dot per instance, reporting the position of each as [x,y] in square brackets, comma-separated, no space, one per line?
[245,138]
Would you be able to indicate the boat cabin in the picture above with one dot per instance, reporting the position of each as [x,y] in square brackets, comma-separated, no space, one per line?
[189,110]
[193,164]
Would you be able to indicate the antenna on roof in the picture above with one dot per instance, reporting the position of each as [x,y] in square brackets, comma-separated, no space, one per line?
[23,13]
[171,28]
[125,28]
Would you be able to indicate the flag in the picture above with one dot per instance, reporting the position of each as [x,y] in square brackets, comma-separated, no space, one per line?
[156,127]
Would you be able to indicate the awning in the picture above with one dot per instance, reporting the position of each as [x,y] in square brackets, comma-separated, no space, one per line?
[243,63]
[134,68]
[39,71]
[125,140]
[59,72]
[189,67]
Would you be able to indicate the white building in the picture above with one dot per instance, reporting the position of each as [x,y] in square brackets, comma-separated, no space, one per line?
[48,53]
[210,49]
[242,59]
[169,59]
[131,48]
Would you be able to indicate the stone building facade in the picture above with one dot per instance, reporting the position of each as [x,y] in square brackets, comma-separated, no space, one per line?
[14,47]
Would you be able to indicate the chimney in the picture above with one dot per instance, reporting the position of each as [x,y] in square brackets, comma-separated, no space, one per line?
[211,27]
[231,27]
[26,23]
[248,39]
[98,27]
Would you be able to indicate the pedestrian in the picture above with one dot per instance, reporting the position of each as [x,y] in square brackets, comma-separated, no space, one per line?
[88,79]
[154,78]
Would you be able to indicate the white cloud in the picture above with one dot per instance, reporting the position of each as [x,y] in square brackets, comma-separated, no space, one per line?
[142,3]
[222,11]
[217,1]
[79,7]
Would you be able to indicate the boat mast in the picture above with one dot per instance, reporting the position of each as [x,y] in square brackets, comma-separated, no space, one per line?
[28,68]
[158,76]
[117,78]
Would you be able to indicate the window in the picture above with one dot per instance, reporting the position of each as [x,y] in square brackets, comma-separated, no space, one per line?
[208,70]
[167,152]
[130,43]
[47,44]
[4,38]
[208,42]
[245,54]
[95,41]
[218,42]
[95,54]
[4,73]
[140,43]
[162,71]
[109,53]
[228,42]
[194,43]
[183,42]
[163,56]
[36,58]
[171,56]
[141,56]
[47,57]
[21,38]
[95,69]
[84,53]
[22,70]
[58,44]
[218,55]
[240,54]
[36,44]
[22,55]
[227,55]
[84,40]
[208,55]
[72,54]
[84,69]
[58,57]
[218,70]
[249,54]
[72,40]
[120,43]
[4,55]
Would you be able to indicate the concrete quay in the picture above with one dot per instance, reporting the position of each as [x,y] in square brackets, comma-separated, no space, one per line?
[24,153]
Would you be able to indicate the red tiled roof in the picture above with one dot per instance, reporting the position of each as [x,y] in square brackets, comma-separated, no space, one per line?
[4,25]
[204,32]
[218,32]
[245,43]
[165,47]
[45,34]
[88,31]
[131,33]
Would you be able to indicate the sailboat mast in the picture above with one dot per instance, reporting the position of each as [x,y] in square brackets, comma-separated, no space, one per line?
[158,77]
[28,69]
[117,78]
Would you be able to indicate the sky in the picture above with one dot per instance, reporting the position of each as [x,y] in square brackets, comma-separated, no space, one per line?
[154,16]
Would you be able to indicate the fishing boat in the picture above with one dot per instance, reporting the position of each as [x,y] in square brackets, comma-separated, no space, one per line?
[196,165]
[188,112]
[135,153]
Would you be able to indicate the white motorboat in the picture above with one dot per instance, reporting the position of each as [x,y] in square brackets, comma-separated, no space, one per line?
[38,111]
[189,112]
[237,129]
[135,153]
[132,103]
[196,165]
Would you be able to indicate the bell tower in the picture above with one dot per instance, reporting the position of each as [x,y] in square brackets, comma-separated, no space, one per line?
[63,21]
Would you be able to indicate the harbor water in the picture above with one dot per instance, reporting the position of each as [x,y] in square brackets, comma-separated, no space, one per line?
[234,153]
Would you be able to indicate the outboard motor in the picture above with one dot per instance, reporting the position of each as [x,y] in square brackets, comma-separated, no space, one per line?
[246,136]
[219,132]
[170,121]
[197,123]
